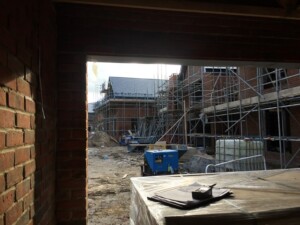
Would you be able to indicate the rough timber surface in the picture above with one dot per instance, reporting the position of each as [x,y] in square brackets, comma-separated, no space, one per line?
[260,197]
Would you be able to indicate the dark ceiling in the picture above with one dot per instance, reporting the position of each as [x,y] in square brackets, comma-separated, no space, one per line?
[182,31]
[287,9]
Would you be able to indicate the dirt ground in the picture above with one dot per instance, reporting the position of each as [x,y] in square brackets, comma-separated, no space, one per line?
[109,173]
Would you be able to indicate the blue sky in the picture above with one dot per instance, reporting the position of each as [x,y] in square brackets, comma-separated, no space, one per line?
[98,73]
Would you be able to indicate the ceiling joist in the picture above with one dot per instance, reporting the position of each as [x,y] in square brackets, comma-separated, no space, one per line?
[283,9]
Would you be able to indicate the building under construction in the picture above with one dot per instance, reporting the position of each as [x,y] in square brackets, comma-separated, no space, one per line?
[44,49]
[203,104]
[237,103]
[128,103]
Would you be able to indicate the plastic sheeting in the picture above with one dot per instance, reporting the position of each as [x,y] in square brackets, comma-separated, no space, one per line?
[260,197]
[230,149]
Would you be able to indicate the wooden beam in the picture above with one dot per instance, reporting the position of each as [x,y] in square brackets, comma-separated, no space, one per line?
[198,7]
[135,33]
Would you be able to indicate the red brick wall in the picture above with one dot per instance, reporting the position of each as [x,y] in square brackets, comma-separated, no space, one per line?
[108,31]
[249,74]
[28,151]
[71,181]
[295,130]
[251,125]
[219,83]
[27,140]
[122,115]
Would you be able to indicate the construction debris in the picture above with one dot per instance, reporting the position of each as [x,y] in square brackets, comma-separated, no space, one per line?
[102,139]
[110,170]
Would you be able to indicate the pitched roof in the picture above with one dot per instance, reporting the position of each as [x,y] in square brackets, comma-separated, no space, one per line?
[125,87]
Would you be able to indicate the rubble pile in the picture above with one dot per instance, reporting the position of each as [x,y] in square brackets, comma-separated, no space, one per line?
[101,139]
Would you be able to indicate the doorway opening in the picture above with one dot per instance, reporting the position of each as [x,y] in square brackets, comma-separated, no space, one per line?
[123,104]
[195,106]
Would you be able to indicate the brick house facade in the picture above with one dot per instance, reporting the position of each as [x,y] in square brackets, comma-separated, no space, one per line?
[126,103]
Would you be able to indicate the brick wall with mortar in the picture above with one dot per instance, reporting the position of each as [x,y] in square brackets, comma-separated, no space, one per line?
[249,74]
[107,31]
[27,29]
[71,182]
[251,127]
[122,116]
[294,131]
[27,141]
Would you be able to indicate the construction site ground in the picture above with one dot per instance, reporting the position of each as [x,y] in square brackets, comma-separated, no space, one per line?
[109,173]
[110,168]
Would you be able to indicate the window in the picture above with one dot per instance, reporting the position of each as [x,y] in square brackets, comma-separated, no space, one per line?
[218,70]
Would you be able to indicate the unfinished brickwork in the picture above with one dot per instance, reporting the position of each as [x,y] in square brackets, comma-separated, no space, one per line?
[251,102]
[43,175]
[27,138]
[71,166]
[117,117]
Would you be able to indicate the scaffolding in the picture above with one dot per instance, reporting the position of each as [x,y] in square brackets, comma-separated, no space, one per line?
[128,112]
[245,103]
[203,104]
[170,110]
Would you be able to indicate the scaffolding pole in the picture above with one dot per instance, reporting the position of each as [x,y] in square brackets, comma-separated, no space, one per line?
[278,121]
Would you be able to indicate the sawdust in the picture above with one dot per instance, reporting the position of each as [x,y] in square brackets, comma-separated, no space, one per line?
[110,170]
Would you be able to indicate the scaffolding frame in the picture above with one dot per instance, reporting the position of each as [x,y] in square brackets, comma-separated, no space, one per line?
[231,96]
[222,102]
[120,114]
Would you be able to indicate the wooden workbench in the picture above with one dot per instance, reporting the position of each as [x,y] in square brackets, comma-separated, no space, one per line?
[260,197]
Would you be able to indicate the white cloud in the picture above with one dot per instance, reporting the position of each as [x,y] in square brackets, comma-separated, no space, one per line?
[98,73]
